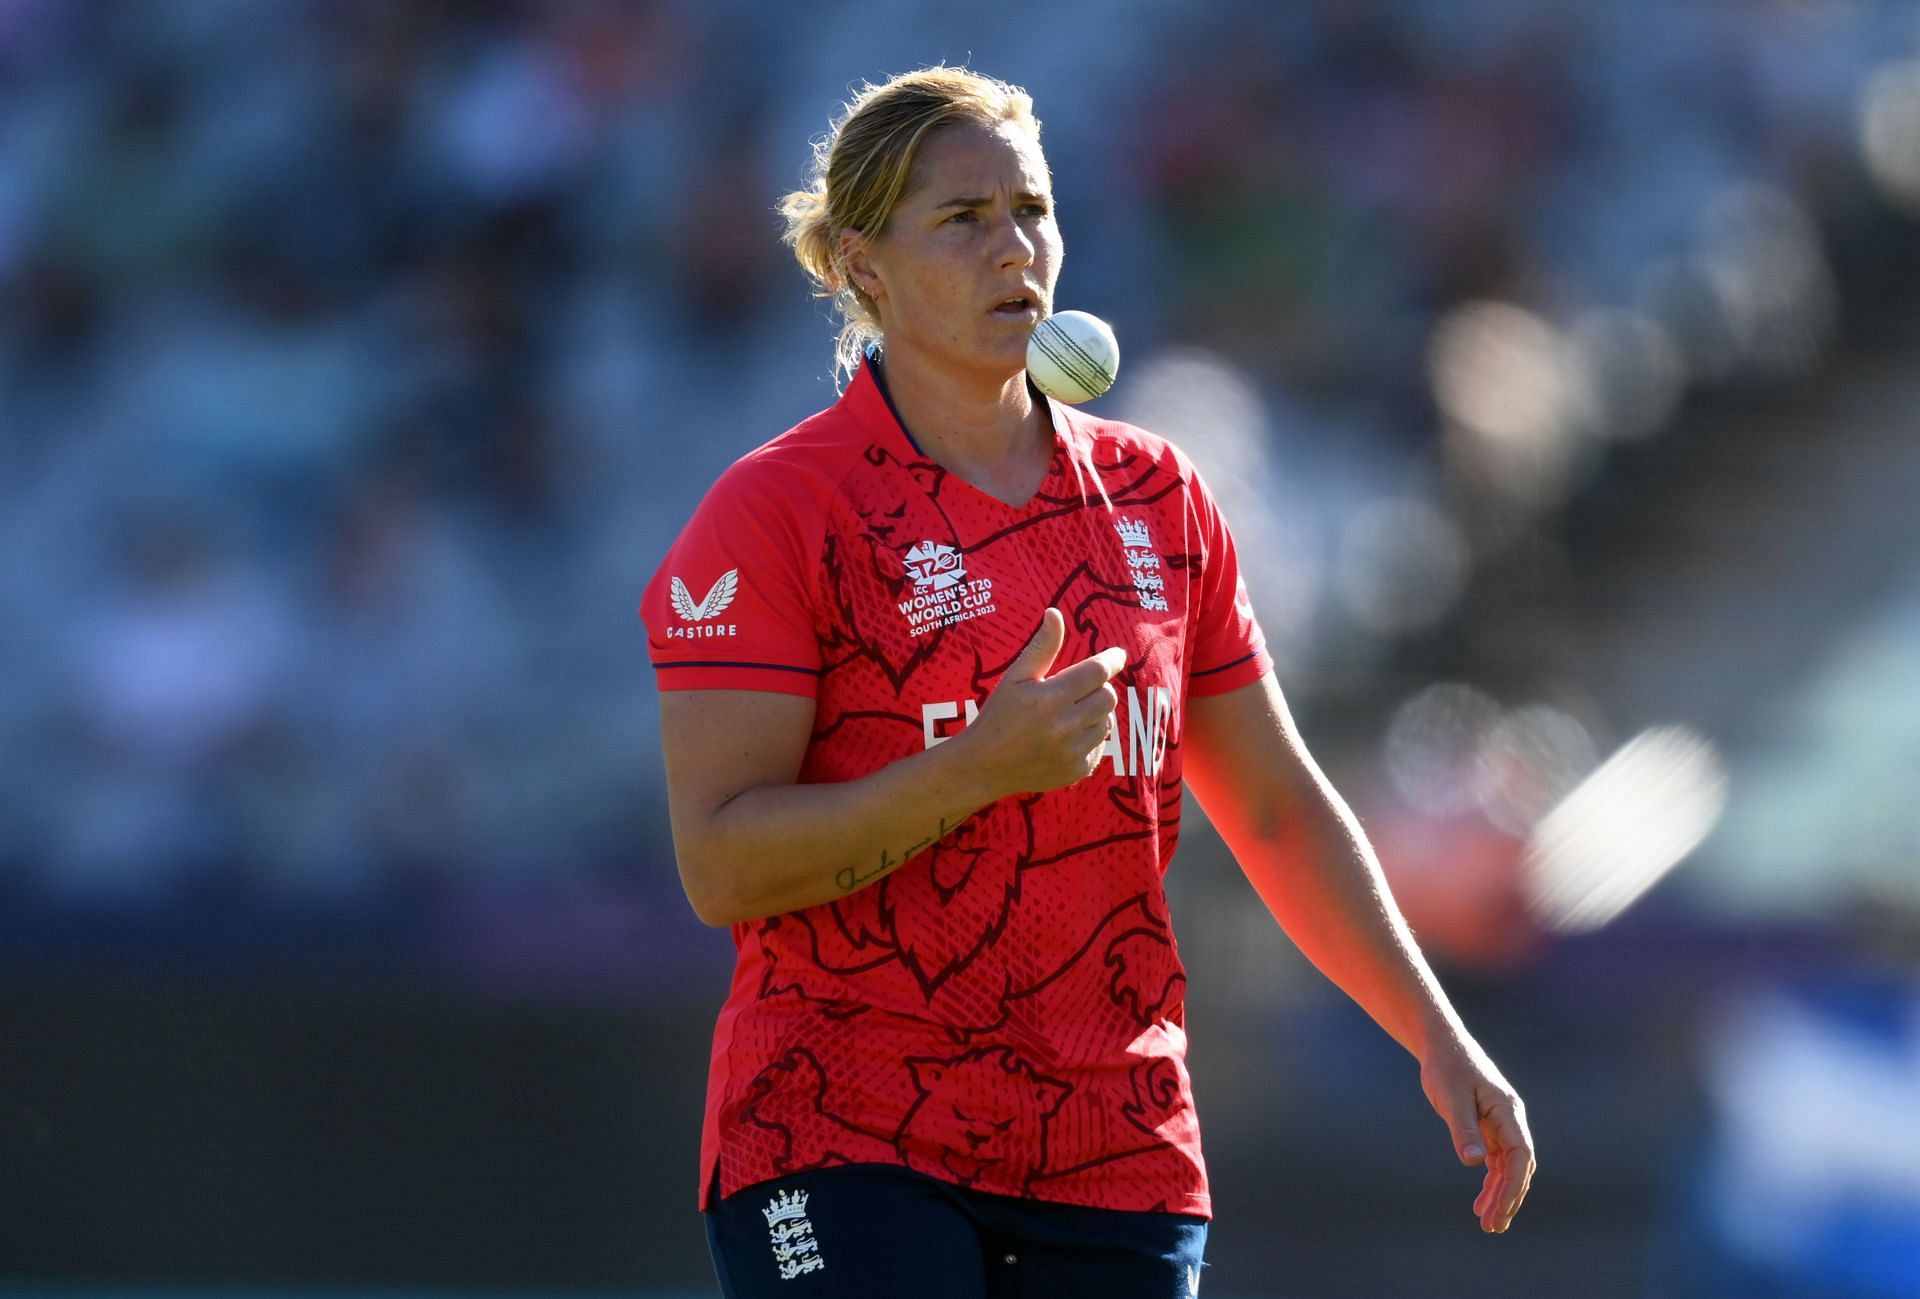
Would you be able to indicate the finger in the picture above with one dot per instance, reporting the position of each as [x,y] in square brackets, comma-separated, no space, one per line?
[1089,674]
[1506,1129]
[1490,1190]
[1512,1189]
[1493,1186]
[1487,1206]
[1096,726]
[1509,1189]
[1033,661]
[1092,754]
[1097,707]
[1523,1182]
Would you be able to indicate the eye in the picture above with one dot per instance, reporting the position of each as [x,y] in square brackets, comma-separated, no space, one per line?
[1035,209]
[958,1115]
[1004,1127]
[961,217]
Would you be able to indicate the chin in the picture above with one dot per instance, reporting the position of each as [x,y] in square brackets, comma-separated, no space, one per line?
[1005,362]
[998,359]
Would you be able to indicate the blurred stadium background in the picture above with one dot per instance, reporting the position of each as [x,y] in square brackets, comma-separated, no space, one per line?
[1559,367]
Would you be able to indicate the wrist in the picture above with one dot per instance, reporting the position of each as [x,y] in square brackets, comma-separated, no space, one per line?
[964,778]
[1436,1031]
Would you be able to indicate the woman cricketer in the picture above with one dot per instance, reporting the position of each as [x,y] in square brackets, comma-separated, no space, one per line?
[935,666]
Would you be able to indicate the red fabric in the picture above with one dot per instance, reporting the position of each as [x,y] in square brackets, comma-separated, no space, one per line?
[1006,1010]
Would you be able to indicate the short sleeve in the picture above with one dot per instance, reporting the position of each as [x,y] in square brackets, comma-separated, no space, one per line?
[1227,649]
[731,605]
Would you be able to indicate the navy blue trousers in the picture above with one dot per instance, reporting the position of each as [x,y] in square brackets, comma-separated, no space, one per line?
[875,1230]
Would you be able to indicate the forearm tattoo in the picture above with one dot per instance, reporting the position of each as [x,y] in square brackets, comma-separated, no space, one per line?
[850,878]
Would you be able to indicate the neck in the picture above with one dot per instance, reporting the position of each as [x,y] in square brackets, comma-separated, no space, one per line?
[962,420]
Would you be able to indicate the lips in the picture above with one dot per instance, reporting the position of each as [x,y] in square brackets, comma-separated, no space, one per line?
[1025,303]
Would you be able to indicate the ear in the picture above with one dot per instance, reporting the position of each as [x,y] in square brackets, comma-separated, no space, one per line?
[926,1073]
[856,256]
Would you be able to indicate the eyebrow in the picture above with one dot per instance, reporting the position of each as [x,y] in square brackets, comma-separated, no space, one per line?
[1024,195]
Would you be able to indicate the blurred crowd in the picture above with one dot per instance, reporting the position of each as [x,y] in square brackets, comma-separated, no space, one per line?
[358,358]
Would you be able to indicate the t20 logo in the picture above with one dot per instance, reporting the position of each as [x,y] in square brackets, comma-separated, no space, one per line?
[934,567]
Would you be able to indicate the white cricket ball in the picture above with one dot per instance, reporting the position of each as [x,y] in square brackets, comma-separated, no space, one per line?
[1072,356]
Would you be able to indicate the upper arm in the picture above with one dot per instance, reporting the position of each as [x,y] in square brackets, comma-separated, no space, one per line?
[733,637]
[719,744]
[1244,759]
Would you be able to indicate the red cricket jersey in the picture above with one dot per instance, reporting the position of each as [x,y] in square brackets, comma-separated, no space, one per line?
[1006,1010]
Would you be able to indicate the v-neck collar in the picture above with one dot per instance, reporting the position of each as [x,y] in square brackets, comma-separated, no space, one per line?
[866,399]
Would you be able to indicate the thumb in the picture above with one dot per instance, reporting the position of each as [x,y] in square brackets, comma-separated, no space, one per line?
[1040,652]
[1468,1144]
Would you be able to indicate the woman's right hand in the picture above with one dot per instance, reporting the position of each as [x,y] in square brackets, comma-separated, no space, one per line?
[1038,732]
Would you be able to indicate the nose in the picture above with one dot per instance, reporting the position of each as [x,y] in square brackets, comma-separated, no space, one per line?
[975,1140]
[1014,248]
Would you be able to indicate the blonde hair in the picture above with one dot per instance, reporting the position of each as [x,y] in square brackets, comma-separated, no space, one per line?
[860,172]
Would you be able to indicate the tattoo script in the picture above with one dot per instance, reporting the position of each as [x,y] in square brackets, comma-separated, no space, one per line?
[850,878]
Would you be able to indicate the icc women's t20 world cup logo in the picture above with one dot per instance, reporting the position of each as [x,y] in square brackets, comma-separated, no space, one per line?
[941,595]
[934,567]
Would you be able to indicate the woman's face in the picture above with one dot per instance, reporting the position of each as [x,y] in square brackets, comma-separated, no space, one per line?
[966,265]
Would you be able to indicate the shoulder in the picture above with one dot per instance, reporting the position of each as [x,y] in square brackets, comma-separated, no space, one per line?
[795,473]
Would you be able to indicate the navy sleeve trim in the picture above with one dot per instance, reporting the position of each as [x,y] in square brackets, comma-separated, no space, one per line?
[727,663]
[1224,666]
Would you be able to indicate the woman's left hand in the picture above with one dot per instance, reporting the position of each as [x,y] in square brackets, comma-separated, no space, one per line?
[1488,1121]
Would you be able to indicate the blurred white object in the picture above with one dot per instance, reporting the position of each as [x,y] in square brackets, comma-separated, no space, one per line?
[1623,828]
[1514,392]
[1890,131]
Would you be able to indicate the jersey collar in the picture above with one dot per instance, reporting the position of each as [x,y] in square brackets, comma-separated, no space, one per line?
[867,402]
